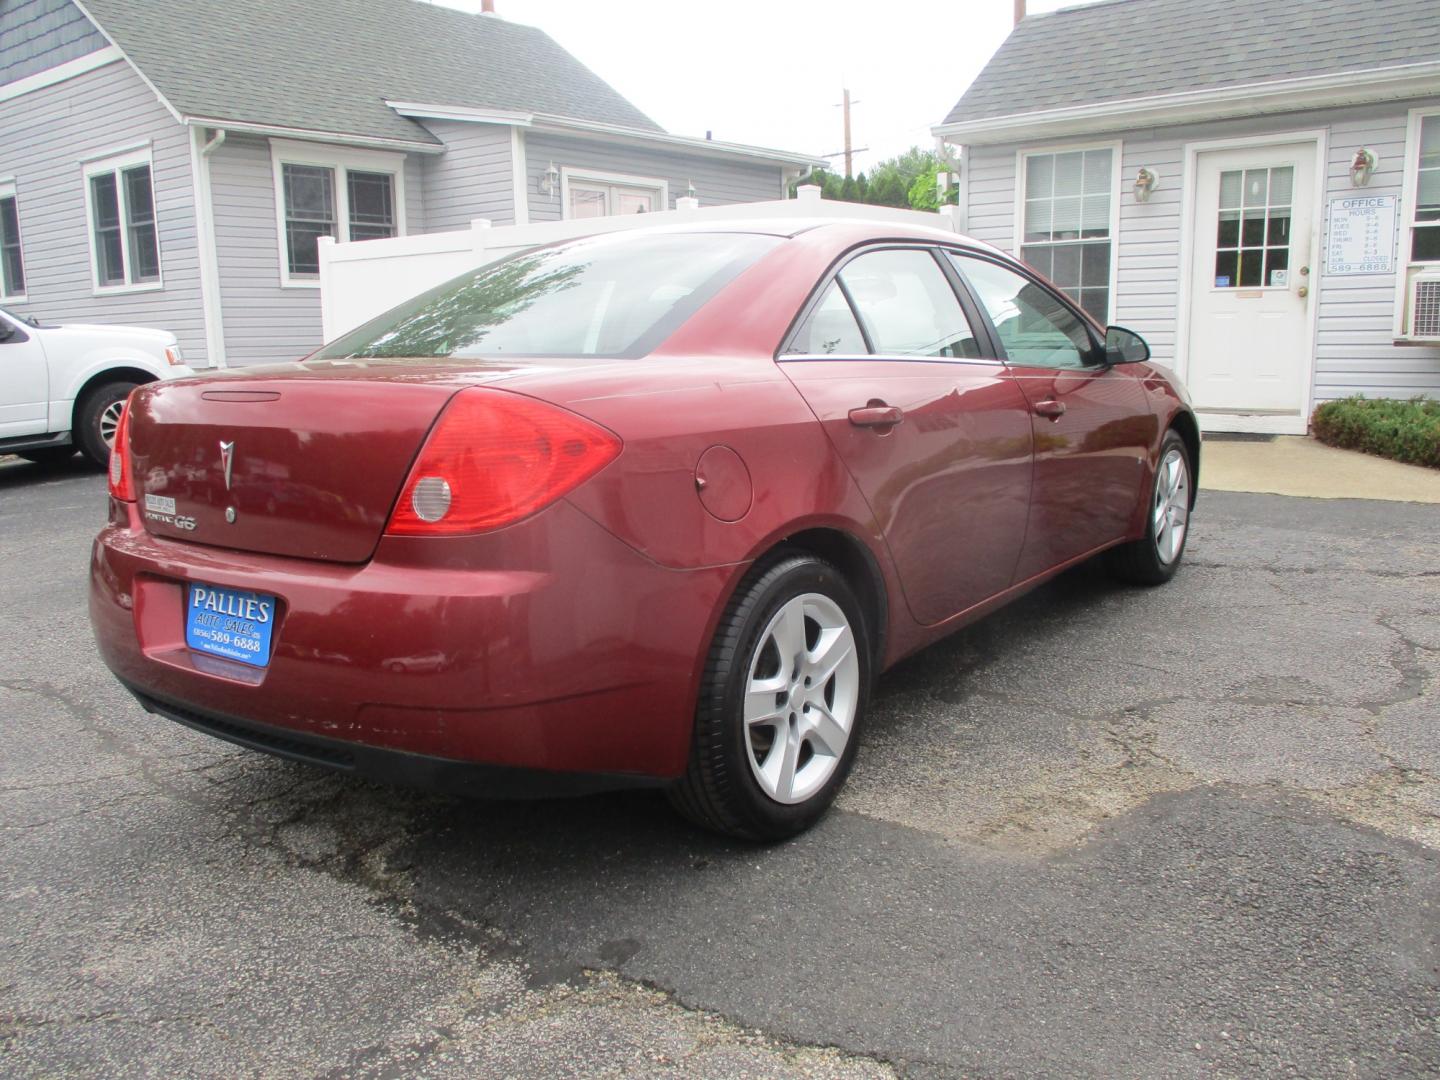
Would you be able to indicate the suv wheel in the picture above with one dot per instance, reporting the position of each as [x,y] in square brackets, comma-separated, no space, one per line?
[98,416]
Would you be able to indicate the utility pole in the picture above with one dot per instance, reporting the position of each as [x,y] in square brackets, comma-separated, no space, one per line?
[850,148]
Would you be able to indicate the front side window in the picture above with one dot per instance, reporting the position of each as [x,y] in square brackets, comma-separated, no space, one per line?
[1035,329]
[1066,223]
[12,262]
[123,232]
[907,307]
[607,297]
[1425,226]
[354,195]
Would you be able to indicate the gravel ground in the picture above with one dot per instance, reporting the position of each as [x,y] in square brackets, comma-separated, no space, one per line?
[1191,831]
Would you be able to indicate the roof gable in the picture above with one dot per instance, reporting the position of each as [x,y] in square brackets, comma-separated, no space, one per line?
[331,66]
[1122,50]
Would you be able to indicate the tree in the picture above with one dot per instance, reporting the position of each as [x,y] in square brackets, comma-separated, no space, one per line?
[892,182]
[925,191]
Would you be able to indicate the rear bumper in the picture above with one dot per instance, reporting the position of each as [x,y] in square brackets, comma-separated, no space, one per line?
[422,771]
[548,646]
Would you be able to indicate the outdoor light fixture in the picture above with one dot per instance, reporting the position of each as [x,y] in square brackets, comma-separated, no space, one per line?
[1362,166]
[690,189]
[550,181]
[1146,181]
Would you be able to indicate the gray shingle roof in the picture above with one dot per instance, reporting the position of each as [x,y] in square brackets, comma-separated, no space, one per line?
[1124,49]
[330,65]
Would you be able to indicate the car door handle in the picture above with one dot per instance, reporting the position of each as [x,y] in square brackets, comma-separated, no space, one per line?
[1051,408]
[877,415]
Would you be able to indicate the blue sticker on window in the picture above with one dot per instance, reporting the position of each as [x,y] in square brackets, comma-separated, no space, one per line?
[1222,282]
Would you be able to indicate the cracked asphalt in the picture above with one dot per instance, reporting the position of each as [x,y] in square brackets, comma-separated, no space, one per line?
[1192,831]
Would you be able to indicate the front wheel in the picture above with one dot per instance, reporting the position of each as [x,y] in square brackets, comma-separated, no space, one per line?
[781,703]
[1153,559]
[97,418]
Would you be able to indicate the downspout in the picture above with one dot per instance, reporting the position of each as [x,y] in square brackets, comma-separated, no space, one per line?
[200,151]
[797,181]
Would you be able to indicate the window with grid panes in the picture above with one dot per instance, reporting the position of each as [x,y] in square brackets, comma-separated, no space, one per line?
[1252,244]
[1065,231]
[122,226]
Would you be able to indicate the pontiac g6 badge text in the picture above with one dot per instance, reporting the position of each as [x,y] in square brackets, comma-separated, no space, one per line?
[161,508]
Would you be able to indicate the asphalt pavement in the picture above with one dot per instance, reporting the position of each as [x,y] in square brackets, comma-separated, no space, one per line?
[1109,832]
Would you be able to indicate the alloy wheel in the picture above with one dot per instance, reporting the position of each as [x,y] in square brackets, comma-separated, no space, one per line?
[801,697]
[1171,509]
[110,421]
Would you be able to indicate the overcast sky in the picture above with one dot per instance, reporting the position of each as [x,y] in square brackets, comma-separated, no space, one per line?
[771,72]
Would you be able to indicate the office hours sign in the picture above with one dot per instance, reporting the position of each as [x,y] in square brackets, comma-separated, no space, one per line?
[1361,238]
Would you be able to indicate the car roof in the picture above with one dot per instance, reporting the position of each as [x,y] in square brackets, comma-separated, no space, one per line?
[855,230]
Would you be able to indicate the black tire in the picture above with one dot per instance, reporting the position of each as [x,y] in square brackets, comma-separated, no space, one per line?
[1140,562]
[719,790]
[91,411]
[48,455]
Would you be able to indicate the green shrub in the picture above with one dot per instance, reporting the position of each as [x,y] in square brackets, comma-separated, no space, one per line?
[1403,430]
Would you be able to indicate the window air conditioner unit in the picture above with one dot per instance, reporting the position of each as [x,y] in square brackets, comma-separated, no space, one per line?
[1422,306]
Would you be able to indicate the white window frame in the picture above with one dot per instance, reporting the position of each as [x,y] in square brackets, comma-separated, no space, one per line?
[1411,198]
[1404,265]
[117,161]
[8,191]
[341,160]
[1116,148]
[567,174]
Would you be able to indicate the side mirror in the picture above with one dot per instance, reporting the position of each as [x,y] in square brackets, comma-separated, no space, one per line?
[1124,346]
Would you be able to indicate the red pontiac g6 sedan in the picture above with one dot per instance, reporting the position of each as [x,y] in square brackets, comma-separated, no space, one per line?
[649,508]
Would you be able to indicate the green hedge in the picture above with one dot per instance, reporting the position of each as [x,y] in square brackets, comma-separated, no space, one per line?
[1403,430]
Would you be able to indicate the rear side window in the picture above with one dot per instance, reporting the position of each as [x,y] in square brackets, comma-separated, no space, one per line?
[907,306]
[609,297]
[829,329]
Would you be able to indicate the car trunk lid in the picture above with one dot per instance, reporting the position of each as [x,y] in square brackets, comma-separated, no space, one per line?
[306,465]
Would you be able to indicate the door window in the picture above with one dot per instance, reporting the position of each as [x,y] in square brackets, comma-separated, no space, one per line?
[907,307]
[1035,328]
[591,198]
[1252,241]
[830,329]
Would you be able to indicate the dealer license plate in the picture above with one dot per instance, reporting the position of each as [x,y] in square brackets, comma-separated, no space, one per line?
[232,623]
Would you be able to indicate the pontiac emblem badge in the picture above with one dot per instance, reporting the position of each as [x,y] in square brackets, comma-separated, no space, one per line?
[227,460]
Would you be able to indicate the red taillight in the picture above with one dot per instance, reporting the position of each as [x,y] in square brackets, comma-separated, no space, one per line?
[122,484]
[493,458]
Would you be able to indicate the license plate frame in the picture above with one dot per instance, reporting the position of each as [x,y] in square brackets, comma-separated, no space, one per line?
[235,624]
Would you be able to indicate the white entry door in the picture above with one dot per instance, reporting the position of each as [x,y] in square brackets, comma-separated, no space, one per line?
[1252,280]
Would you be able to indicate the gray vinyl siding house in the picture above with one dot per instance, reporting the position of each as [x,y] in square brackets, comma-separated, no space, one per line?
[416,119]
[1211,97]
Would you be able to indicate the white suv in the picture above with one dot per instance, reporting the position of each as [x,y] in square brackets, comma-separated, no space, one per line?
[62,387]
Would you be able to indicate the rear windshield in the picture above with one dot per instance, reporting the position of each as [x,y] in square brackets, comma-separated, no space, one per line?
[607,297]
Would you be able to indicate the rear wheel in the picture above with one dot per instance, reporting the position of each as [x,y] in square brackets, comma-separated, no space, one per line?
[781,703]
[1153,559]
[98,416]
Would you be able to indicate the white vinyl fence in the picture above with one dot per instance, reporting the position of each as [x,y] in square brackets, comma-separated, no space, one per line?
[363,279]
